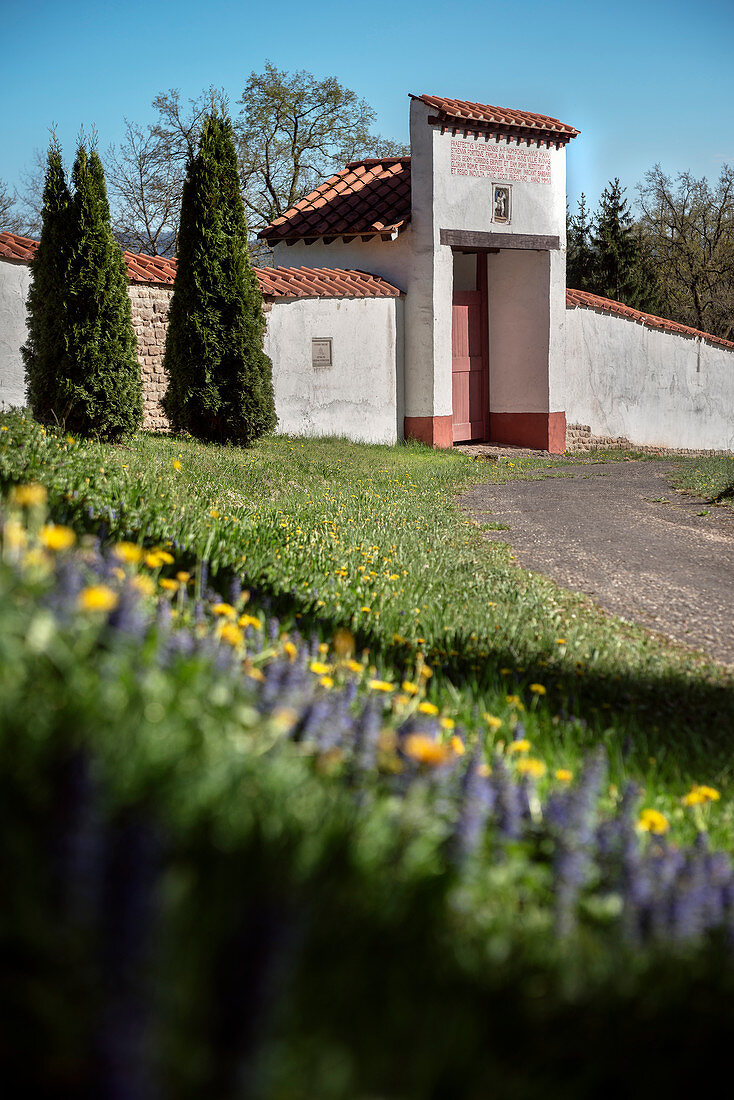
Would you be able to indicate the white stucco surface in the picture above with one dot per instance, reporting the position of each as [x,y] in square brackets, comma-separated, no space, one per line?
[358,396]
[14,283]
[655,388]
[518,331]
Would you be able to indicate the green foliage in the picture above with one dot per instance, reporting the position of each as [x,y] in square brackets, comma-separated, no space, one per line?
[48,306]
[710,477]
[341,534]
[81,357]
[580,254]
[622,271]
[608,255]
[219,378]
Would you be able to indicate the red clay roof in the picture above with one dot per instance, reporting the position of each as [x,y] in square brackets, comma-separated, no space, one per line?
[368,198]
[275,282]
[576,298]
[322,282]
[20,249]
[501,120]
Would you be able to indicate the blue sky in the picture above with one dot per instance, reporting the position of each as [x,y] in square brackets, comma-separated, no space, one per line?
[644,81]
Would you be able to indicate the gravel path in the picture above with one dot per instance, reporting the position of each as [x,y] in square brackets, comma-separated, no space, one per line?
[621,534]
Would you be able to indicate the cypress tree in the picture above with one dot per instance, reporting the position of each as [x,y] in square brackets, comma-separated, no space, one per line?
[99,384]
[621,269]
[219,378]
[46,345]
[580,254]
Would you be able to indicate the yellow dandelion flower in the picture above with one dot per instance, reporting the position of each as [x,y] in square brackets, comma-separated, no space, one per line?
[560,641]
[409,687]
[484,770]
[366,610]
[380,685]
[231,634]
[290,650]
[505,672]
[447,723]
[214,513]
[14,536]
[97,597]
[529,765]
[128,552]
[537,689]
[176,464]
[513,700]
[183,577]
[522,745]
[143,584]
[224,609]
[564,775]
[55,537]
[343,643]
[326,681]
[699,795]
[250,620]
[458,745]
[168,584]
[255,673]
[424,750]
[31,495]
[652,821]
[426,672]
[118,573]
[164,557]
[428,708]
[319,668]
[492,721]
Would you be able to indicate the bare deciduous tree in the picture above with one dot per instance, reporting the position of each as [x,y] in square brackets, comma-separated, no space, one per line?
[147,171]
[689,226]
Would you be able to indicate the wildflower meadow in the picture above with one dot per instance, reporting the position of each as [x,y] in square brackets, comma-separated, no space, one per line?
[310,790]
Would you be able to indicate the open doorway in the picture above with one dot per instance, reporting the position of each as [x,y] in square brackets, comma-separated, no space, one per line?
[469,349]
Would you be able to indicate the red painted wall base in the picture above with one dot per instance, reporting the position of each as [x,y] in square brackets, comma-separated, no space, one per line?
[543,431]
[436,431]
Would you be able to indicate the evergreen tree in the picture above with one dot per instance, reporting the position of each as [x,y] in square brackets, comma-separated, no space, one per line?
[46,345]
[219,378]
[580,254]
[99,384]
[621,268]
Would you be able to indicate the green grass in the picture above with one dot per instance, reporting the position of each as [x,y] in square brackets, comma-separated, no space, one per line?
[711,478]
[335,533]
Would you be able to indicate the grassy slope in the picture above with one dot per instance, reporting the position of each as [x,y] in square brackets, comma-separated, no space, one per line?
[711,478]
[371,537]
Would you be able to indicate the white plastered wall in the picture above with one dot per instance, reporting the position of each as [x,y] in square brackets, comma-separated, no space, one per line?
[358,396]
[458,202]
[14,285]
[654,388]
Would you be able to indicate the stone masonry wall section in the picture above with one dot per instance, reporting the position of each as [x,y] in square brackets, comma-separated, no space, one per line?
[149,305]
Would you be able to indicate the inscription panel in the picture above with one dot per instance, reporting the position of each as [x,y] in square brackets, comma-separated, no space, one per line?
[500,161]
[321,352]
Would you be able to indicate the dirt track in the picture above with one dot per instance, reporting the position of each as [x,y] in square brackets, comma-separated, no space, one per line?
[621,534]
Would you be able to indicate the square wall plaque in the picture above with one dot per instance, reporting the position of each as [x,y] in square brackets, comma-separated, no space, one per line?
[321,351]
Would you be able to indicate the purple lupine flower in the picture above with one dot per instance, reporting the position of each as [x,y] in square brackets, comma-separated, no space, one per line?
[476,800]
[507,807]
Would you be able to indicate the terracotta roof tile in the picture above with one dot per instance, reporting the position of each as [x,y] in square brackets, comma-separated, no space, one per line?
[367,198]
[322,282]
[461,114]
[20,249]
[575,298]
[275,282]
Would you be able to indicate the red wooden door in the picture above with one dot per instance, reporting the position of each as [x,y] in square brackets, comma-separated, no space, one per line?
[469,365]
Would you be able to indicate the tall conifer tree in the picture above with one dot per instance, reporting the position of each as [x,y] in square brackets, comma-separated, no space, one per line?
[621,270]
[99,384]
[46,345]
[219,378]
[580,254]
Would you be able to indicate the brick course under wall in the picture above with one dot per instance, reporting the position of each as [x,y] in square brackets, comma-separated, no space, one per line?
[580,439]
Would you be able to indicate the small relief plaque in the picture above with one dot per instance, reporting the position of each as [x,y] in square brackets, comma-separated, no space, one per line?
[321,351]
[501,203]
[500,160]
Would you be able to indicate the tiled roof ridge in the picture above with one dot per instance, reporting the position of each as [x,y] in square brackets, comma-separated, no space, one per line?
[275,282]
[367,198]
[575,298]
[462,112]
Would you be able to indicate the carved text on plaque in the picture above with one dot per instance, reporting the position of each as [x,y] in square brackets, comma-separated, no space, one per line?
[500,161]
